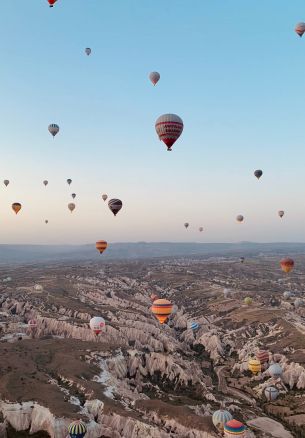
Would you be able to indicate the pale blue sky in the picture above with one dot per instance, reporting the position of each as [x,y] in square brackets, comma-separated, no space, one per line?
[233,70]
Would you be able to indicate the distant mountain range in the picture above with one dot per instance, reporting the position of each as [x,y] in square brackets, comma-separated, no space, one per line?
[141,250]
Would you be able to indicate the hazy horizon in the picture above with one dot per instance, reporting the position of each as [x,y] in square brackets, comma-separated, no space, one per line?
[233,72]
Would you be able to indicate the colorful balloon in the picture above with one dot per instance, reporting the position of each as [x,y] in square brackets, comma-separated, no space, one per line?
[53,129]
[281,213]
[16,206]
[77,429]
[300,29]
[254,366]
[169,127]
[162,309]
[115,205]
[73,195]
[275,370]
[287,264]
[271,393]
[220,418]
[104,197]
[258,173]
[234,428]
[154,77]
[52,3]
[6,182]
[262,356]
[97,324]
[45,182]
[239,218]
[248,301]
[192,325]
[101,245]
[71,206]
[69,181]
[88,51]
[186,224]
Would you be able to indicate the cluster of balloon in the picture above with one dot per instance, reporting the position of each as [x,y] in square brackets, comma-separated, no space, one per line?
[115,205]
[240,218]
[258,173]
[287,264]
[162,309]
[186,225]
[300,29]
[101,245]
[254,366]
[16,206]
[220,418]
[169,127]
[234,428]
[71,206]
[97,324]
[248,301]
[271,393]
[53,129]
[88,51]
[154,77]
[6,182]
[77,429]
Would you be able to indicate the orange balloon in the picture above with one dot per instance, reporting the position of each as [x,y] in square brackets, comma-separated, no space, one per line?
[101,245]
[287,264]
[162,309]
[16,207]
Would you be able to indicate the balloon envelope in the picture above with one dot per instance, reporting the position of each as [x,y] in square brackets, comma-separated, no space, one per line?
[254,366]
[248,301]
[16,206]
[239,218]
[281,213]
[53,129]
[275,370]
[162,309]
[186,224]
[169,127]
[262,356]
[77,429]
[88,51]
[258,173]
[73,195]
[101,245]
[287,264]
[45,182]
[38,288]
[200,229]
[71,206]
[52,3]
[220,418]
[69,181]
[104,197]
[97,324]
[300,29]
[154,77]
[115,205]
[234,428]
[6,182]
[271,393]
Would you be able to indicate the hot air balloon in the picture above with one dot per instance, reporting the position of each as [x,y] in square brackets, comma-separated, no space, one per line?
[234,428]
[287,264]
[69,181]
[169,127]
[6,182]
[287,294]
[186,225]
[154,297]
[71,206]
[275,370]
[298,302]
[38,288]
[97,324]
[281,213]
[46,221]
[300,29]
[77,429]
[192,325]
[254,366]
[16,206]
[45,182]
[53,129]
[241,259]
[220,418]
[73,195]
[271,393]
[248,301]
[262,356]
[162,309]
[258,173]
[274,302]
[239,218]
[88,51]
[200,229]
[101,245]
[115,205]
[104,197]
[52,3]
[154,77]
[226,292]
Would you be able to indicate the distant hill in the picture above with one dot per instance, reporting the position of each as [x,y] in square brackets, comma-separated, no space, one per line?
[45,253]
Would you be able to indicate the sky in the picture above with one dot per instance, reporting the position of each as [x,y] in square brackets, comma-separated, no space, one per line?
[232,70]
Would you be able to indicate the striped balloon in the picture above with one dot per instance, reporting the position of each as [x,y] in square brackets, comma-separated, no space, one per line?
[115,205]
[271,393]
[169,127]
[77,429]
[154,77]
[53,129]
[287,264]
[162,309]
[101,245]
[193,325]
[300,29]
[255,366]
[262,356]
[16,206]
[234,428]
[220,418]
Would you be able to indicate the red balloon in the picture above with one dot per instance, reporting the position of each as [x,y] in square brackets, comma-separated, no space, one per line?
[52,3]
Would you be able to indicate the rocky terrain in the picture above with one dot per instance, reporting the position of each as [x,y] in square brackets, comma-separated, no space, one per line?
[139,378]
